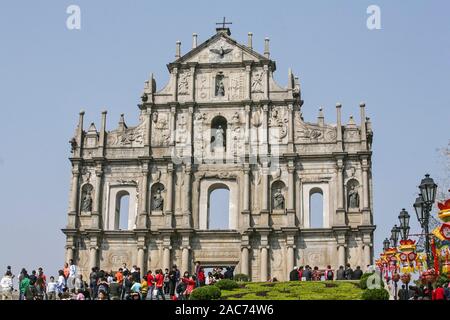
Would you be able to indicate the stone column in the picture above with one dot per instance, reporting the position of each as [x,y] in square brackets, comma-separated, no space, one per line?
[367,255]
[73,205]
[266,81]
[93,257]
[69,252]
[187,196]
[290,258]
[291,222]
[141,259]
[340,212]
[341,255]
[264,263]
[244,260]
[265,130]
[246,204]
[291,128]
[365,178]
[264,218]
[166,257]
[172,125]
[169,196]
[247,129]
[264,256]
[185,259]
[143,212]
[248,79]
[97,198]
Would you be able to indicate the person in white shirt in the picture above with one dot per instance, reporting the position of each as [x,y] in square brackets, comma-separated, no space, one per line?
[72,274]
[61,284]
[51,289]
[6,286]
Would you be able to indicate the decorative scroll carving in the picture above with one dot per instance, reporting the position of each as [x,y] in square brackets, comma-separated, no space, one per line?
[161,131]
[183,83]
[131,137]
[313,133]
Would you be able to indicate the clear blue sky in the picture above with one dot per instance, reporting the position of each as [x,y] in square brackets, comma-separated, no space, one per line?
[48,73]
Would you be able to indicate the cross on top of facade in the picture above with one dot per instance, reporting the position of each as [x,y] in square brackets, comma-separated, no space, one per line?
[223,23]
[222,26]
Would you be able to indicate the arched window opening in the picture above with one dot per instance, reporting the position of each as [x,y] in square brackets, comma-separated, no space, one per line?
[218,134]
[278,196]
[316,208]
[122,211]
[219,208]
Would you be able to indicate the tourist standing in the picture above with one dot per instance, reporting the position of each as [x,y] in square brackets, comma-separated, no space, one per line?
[73,270]
[6,286]
[151,285]
[52,289]
[190,286]
[115,289]
[135,289]
[173,281]
[438,293]
[93,280]
[329,274]
[144,288]
[197,270]
[340,273]
[316,274]
[300,274]
[348,272]
[61,285]
[293,275]
[307,273]
[166,281]
[357,274]
[159,280]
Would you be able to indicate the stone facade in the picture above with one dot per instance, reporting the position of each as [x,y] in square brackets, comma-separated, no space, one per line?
[221,122]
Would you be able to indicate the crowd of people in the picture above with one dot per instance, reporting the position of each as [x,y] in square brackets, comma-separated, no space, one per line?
[401,291]
[307,273]
[124,284]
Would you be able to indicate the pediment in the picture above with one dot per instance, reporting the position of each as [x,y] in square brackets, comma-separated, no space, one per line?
[220,49]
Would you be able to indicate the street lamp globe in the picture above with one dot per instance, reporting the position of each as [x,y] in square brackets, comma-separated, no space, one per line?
[403,217]
[395,231]
[428,189]
[386,244]
[419,208]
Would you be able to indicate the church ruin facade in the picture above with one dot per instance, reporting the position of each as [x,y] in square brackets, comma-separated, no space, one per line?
[221,122]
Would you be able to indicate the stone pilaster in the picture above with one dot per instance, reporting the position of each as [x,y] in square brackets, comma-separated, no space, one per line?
[141,248]
[74,195]
[167,247]
[142,222]
[169,201]
[97,205]
[187,196]
[291,222]
[185,253]
[246,198]
[340,211]
[290,128]
[264,218]
[264,251]
[367,216]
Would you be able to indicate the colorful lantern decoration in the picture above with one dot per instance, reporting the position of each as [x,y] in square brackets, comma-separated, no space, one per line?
[407,256]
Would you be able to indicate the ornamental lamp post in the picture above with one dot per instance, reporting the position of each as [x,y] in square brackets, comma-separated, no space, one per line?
[386,244]
[395,231]
[427,189]
[404,217]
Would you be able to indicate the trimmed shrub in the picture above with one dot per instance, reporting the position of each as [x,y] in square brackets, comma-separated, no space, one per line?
[240,277]
[227,284]
[365,278]
[206,293]
[375,294]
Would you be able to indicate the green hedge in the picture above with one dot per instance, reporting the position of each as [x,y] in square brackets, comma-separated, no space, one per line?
[206,293]
[375,294]
[227,284]
[240,277]
[365,277]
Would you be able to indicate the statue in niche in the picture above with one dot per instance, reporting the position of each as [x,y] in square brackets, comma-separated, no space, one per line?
[158,201]
[155,116]
[219,138]
[353,198]
[278,199]
[86,204]
[220,87]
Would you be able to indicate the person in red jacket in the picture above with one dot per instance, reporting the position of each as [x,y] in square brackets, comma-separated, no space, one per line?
[438,293]
[201,277]
[300,273]
[151,285]
[190,286]
[159,279]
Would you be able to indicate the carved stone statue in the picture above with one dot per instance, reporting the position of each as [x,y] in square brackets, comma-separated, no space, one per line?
[353,198]
[86,204]
[219,142]
[220,88]
[158,201]
[278,200]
